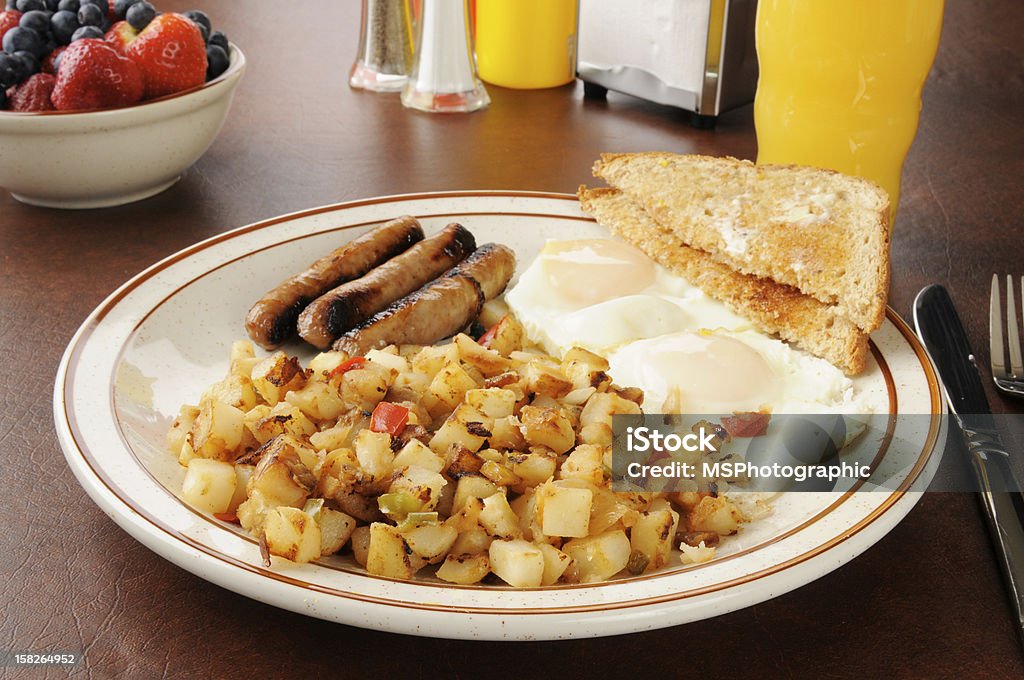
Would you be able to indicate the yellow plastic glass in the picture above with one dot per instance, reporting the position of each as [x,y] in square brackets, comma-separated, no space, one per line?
[840,83]
[526,44]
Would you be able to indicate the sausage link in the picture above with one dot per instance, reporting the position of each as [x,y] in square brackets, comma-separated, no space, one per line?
[272,319]
[352,303]
[439,309]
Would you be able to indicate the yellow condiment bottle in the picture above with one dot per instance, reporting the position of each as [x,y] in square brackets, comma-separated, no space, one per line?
[526,44]
[840,83]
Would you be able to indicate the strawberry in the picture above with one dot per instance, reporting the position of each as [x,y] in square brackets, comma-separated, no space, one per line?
[171,55]
[92,75]
[33,94]
[49,64]
[120,36]
[8,20]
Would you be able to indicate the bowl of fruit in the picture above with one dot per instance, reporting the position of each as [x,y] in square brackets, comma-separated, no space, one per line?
[105,102]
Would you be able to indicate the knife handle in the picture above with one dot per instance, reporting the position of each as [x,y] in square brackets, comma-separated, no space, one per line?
[1004,513]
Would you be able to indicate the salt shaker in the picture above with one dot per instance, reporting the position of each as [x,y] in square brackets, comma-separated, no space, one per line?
[385,46]
[443,78]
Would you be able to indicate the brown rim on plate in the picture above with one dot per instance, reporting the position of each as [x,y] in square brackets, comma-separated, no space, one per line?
[156,522]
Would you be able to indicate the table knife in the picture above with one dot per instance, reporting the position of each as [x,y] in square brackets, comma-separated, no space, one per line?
[943,335]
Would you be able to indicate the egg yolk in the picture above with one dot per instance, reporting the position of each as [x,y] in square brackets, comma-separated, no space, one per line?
[587,272]
[710,373]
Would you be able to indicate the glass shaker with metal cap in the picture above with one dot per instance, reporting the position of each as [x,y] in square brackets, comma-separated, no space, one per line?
[385,46]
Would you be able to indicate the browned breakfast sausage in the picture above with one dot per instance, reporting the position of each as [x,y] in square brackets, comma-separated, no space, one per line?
[271,320]
[352,303]
[439,309]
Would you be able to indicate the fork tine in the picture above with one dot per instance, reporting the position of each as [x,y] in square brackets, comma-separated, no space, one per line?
[995,332]
[1012,334]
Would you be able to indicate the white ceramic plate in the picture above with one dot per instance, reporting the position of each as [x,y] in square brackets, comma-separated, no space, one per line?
[155,343]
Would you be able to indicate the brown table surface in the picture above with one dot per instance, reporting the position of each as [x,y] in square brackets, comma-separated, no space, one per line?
[926,601]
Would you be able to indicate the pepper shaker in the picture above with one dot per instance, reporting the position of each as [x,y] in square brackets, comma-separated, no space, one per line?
[385,46]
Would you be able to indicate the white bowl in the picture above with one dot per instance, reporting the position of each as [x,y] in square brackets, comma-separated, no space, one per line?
[96,159]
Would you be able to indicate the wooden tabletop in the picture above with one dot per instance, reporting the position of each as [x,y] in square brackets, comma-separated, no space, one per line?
[926,601]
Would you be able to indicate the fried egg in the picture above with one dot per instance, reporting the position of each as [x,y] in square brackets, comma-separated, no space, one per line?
[687,351]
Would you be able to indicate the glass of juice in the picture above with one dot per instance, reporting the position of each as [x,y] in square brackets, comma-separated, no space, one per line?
[840,83]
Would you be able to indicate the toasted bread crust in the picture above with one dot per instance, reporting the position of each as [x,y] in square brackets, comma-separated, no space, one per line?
[822,232]
[771,307]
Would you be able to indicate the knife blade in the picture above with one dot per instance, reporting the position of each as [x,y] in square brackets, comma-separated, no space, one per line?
[939,327]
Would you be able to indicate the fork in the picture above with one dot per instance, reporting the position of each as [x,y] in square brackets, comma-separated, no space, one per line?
[1008,380]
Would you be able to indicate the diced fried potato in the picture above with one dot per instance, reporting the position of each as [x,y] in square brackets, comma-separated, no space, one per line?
[265,423]
[277,375]
[388,554]
[430,360]
[493,402]
[487,361]
[331,438]
[715,514]
[472,542]
[335,527]
[535,467]
[419,454]
[409,386]
[547,427]
[361,544]
[235,390]
[508,336]
[586,462]
[243,358]
[547,379]
[464,569]
[497,517]
[209,485]
[555,563]
[653,534]
[461,461]
[292,534]
[450,385]
[517,563]
[422,484]
[281,475]
[458,431]
[389,359]
[431,541]
[608,509]
[564,511]
[217,430]
[596,418]
[598,558]
[187,453]
[317,400]
[492,312]
[242,475]
[472,486]
[364,387]
[323,363]
[180,428]
[373,449]
[586,369]
[507,434]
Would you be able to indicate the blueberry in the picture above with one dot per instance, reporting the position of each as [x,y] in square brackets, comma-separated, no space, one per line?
[29,5]
[29,63]
[102,4]
[19,38]
[51,5]
[63,24]
[37,20]
[90,15]
[216,61]
[220,40]
[87,32]
[69,5]
[121,7]
[203,31]
[200,17]
[10,69]
[140,14]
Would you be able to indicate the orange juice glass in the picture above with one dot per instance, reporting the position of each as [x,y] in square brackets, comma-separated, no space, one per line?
[840,83]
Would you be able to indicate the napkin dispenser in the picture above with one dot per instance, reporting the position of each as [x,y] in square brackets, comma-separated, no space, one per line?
[697,55]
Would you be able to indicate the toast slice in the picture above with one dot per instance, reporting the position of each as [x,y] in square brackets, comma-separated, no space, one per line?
[822,232]
[771,307]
